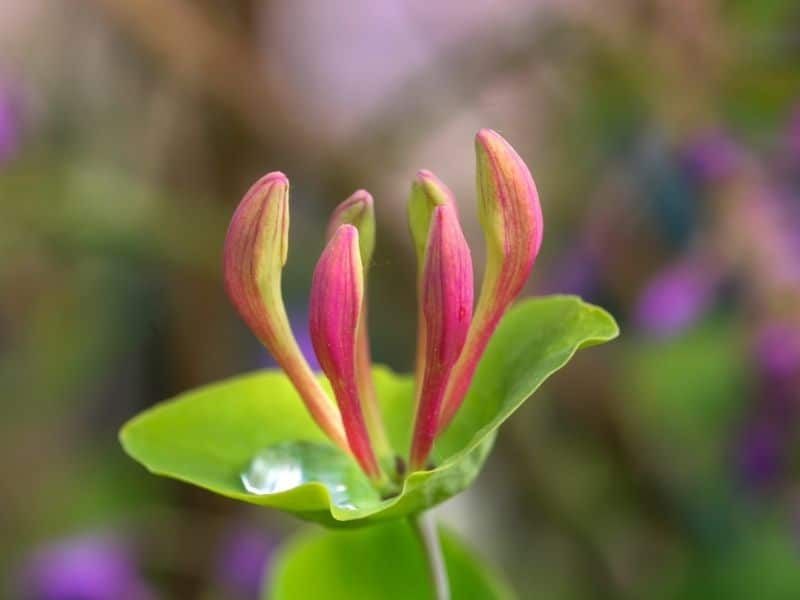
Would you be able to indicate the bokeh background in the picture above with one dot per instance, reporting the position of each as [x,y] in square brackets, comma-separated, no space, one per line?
[664,136]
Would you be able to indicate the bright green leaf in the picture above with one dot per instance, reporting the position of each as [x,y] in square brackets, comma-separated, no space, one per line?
[210,436]
[384,562]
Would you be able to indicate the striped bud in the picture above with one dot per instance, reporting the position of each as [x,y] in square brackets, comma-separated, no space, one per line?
[337,291]
[446,296]
[511,218]
[255,251]
[427,192]
[358,210]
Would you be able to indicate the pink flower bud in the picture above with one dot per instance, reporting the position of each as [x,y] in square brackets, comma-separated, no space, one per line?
[255,251]
[511,218]
[358,211]
[446,295]
[337,291]
[427,192]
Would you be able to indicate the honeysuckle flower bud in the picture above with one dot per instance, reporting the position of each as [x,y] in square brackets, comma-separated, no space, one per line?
[358,210]
[511,218]
[446,294]
[255,252]
[337,291]
[450,341]
[281,463]
[427,192]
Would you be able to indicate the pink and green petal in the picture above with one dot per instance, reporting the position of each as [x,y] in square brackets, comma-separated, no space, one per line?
[358,210]
[256,248]
[337,291]
[511,218]
[446,295]
[427,193]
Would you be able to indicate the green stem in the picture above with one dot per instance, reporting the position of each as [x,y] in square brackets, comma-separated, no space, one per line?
[425,528]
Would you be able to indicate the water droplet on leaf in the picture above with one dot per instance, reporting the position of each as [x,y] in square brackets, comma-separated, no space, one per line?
[287,465]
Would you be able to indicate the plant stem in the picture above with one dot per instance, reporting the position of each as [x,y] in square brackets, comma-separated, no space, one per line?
[425,528]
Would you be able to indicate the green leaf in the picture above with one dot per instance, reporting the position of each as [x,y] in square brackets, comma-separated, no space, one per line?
[257,424]
[689,394]
[383,562]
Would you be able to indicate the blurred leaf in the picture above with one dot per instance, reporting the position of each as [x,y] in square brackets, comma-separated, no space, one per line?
[761,564]
[82,207]
[761,85]
[761,16]
[209,436]
[687,392]
[692,379]
[379,562]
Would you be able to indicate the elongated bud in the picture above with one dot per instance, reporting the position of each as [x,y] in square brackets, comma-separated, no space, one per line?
[337,291]
[255,252]
[427,192]
[358,210]
[511,217]
[447,292]
[508,207]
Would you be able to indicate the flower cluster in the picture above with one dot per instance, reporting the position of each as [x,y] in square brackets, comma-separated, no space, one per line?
[451,336]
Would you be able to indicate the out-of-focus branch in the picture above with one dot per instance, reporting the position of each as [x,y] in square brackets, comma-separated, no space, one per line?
[219,63]
[216,62]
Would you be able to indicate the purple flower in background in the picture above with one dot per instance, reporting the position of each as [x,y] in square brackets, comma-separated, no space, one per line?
[760,453]
[675,298]
[10,129]
[795,521]
[303,335]
[576,273]
[243,559]
[712,156]
[299,323]
[777,350]
[86,568]
[777,356]
[794,134]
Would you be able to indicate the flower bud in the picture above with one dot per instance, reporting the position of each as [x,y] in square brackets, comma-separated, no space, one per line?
[255,251]
[337,291]
[446,294]
[427,192]
[511,218]
[358,210]
[508,209]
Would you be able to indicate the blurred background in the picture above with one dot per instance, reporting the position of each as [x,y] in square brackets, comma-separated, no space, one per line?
[664,136]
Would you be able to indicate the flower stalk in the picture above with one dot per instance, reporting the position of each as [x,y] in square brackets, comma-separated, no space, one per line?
[425,528]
